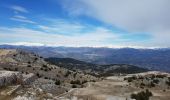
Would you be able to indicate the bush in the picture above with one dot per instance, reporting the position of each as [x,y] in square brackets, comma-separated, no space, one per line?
[130,79]
[169,78]
[160,76]
[152,84]
[49,69]
[45,77]
[142,95]
[84,82]
[35,59]
[93,81]
[156,81]
[16,69]
[29,66]
[46,70]
[75,82]
[74,86]
[141,78]
[45,66]
[142,84]
[153,76]
[168,83]
[74,75]
[38,75]
[67,73]
[57,82]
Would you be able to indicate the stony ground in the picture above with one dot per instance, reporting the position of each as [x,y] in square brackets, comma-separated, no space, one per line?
[110,88]
[114,88]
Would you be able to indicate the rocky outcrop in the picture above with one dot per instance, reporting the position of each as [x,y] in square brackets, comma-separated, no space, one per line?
[13,78]
[29,78]
[10,78]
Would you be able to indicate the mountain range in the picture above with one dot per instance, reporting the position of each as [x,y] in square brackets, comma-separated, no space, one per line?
[153,59]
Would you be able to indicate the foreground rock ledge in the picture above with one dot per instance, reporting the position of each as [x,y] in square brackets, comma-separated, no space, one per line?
[10,78]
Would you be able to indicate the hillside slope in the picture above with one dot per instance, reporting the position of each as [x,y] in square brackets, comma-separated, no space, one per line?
[25,62]
[101,70]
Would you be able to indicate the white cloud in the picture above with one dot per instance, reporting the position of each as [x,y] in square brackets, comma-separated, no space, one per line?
[75,8]
[61,26]
[149,16]
[133,15]
[59,32]
[22,19]
[95,38]
[19,9]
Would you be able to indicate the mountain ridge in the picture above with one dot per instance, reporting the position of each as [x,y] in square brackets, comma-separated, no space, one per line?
[153,59]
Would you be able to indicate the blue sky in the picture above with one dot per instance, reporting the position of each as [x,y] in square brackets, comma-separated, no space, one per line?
[105,23]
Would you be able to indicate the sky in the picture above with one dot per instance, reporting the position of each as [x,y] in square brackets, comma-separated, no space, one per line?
[82,23]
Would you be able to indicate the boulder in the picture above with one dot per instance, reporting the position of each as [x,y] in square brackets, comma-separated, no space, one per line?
[10,78]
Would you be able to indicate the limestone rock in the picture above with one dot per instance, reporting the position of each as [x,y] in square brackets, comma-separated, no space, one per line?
[10,78]
[28,78]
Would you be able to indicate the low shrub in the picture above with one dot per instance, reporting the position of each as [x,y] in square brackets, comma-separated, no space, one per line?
[57,82]
[74,86]
[142,95]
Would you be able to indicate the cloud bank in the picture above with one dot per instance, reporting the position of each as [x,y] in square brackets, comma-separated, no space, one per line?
[149,16]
